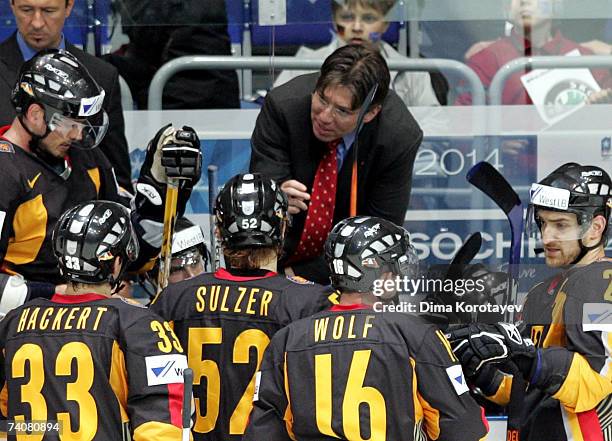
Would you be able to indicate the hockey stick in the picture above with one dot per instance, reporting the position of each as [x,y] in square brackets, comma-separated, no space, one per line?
[364,109]
[187,386]
[488,180]
[464,256]
[212,196]
[169,221]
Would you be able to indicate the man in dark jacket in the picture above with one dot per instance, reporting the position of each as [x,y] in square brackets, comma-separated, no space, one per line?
[40,24]
[304,119]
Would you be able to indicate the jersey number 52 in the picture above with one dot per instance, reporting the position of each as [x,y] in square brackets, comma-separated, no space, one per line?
[198,339]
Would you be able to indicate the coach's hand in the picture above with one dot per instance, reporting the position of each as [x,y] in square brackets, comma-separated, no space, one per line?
[297,195]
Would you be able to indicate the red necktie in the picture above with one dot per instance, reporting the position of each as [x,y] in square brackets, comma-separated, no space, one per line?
[320,215]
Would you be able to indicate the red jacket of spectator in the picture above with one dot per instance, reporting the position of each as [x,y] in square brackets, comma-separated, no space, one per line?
[488,61]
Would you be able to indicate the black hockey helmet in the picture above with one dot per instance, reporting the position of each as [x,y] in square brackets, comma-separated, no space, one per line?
[88,238]
[71,98]
[251,211]
[359,250]
[190,256]
[584,190]
[188,245]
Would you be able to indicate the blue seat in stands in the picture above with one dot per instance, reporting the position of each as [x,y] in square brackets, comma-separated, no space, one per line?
[75,28]
[235,19]
[101,26]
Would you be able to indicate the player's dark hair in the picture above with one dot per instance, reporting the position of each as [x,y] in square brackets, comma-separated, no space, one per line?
[358,67]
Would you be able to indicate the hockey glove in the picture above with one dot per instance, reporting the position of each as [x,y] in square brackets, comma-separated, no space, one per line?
[173,153]
[478,344]
[181,156]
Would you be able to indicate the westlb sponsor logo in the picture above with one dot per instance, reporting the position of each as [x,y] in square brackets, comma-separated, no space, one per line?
[165,369]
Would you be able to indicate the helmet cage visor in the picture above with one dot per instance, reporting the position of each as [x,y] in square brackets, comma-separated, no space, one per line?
[83,134]
[557,228]
[359,273]
[191,256]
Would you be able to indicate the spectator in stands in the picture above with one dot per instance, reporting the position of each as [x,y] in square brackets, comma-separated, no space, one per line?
[39,26]
[358,21]
[588,31]
[160,31]
[533,33]
[303,139]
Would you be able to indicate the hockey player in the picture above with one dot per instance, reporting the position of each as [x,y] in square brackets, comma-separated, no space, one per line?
[94,364]
[189,253]
[190,257]
[51,164]
[225,319]
[356,372]
[567,317]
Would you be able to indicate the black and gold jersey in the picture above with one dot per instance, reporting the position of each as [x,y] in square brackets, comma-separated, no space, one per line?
[225,321]
[569,317]
[352,373]
[33,198]
[95,365]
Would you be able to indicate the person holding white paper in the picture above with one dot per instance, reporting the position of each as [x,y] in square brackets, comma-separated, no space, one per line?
[533,34]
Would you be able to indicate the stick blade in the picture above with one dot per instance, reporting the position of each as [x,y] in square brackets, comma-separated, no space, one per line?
[487,179]
[464,256]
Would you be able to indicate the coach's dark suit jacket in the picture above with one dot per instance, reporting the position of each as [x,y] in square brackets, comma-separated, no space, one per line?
[284,147]
[114,144]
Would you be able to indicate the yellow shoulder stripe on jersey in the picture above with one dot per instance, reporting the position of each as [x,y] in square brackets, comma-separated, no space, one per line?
[536,334]
[418,409]
[288,417]
[94,175]
[446,345]
[158,431]
[432,418]
[583,388]
[118,380]
[30,227]
[556,331]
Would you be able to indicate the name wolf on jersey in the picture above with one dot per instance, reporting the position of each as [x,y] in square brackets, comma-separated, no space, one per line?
[243,300]
[60,319]
[342,327]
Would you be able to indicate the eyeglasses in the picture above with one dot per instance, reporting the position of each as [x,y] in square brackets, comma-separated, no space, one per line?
[321,104]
